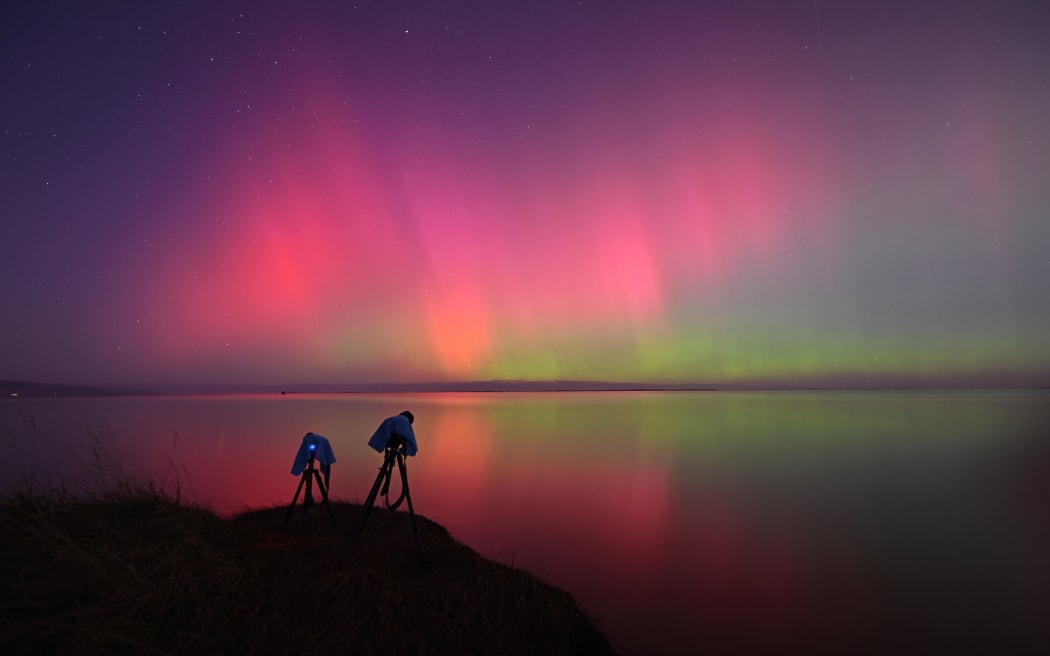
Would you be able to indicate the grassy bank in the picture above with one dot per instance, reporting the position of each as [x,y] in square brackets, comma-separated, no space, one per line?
[139,572]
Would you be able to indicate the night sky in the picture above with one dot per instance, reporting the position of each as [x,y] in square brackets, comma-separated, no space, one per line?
[750,192]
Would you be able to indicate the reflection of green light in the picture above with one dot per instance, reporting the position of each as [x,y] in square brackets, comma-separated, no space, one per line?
[708,422]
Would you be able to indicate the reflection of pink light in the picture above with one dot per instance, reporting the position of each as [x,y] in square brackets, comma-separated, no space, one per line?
[626,508]
[459,445]
[752,583]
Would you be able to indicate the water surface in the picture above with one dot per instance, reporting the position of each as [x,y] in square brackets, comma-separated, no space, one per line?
[682,521]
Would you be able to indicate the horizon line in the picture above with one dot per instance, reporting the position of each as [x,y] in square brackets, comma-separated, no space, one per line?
[9,388]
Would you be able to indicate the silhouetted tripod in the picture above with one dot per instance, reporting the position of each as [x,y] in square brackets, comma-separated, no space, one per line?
[395,451]
[309,475]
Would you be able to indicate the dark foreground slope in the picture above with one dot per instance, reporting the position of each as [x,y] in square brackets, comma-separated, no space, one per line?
[141,573]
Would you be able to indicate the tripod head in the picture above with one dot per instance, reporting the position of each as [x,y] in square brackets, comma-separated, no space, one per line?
[395,445]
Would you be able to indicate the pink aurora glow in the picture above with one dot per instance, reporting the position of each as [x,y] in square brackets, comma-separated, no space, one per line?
[657,193]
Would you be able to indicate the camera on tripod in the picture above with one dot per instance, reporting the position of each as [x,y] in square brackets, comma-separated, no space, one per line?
[395,439]
[314,449]
[396,433]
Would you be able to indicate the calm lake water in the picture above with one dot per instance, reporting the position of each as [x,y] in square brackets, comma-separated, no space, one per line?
[682,521]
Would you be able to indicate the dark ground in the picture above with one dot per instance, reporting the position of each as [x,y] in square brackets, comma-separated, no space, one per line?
[138,572]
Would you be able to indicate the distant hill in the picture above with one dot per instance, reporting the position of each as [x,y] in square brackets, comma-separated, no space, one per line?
[17,388]
[420,387]
[505,386]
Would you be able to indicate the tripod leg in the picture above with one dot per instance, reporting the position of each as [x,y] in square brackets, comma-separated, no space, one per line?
[324,495]
[308,495]
[411,510]
[370,502]
[294,499]
[366,509]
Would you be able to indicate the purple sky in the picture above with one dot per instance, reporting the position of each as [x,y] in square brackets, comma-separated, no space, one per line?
[714,192]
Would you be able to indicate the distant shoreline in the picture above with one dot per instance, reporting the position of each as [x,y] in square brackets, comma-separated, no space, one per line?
[22,389]
[19,389]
